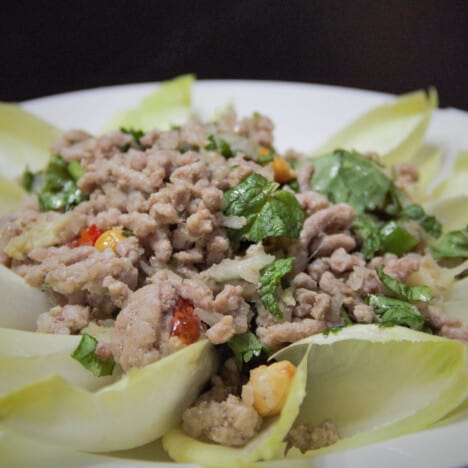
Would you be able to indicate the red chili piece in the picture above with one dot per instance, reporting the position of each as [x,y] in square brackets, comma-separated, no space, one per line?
[185,323]
[88,236]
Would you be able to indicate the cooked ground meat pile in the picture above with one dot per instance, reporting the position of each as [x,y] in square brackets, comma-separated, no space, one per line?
[164,194]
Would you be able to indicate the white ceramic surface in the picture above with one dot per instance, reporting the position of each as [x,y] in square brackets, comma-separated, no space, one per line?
[304,115]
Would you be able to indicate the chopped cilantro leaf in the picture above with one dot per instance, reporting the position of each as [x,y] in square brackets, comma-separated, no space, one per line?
[85,355]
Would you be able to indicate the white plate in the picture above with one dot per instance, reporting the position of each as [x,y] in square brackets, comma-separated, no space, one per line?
[304,115]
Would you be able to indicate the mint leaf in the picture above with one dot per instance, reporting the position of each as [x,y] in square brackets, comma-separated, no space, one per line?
[270,280]
[429,223]
[396,312]
[348,177]
[368,231]
[269,213]
[281,215]
[85,355]
[454,244]
[244,347]
[410,293]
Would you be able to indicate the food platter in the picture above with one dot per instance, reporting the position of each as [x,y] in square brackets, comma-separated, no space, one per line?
[304,115]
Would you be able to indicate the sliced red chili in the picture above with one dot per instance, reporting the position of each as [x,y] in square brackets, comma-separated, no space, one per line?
[185,323]
[88,236]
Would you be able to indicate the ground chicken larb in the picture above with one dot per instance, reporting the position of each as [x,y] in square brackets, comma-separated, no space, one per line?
[164,194]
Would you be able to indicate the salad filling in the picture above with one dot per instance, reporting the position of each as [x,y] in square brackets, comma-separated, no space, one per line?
[148,242]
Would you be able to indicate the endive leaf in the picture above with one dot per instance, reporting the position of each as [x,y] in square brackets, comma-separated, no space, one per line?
[24,140]
[428,160]
[456,184]
[377,383]
[140,407]
[169,105]
[20,451]
[455,304]
[394,131]
[11,196]
[21,303]
[267,445]
[451,212]
[26,357]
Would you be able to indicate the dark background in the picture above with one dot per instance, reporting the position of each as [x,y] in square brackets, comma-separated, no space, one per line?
[394,46]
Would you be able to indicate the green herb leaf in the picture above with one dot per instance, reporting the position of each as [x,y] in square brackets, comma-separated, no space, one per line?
[294,185]
[216,143]
[56,187]
[136,134]
[245,346]
[85,355]
[410,293]
[396,239]
[396,312]
[368,230]
[268,213]
[454,244]
[429,223]
[127,233]
[265,158]
[348,177]
[270,280]
[27,179]
[75,170]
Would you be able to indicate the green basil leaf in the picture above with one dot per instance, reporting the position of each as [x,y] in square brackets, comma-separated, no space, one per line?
[429,223]
[270,280]
[410,293]
[396,239]
[244,347]
[268,213]
[396,312]
[85,355]
[454,244]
